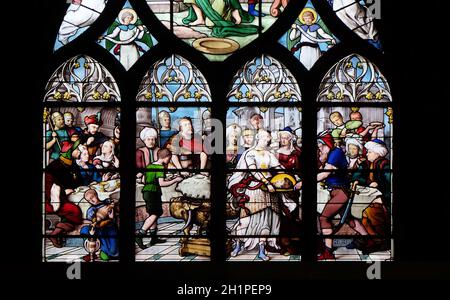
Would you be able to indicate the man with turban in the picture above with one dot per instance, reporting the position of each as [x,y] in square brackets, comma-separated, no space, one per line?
[147,154]
[379,176]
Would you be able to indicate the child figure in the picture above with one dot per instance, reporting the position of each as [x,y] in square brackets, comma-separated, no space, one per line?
[154,180]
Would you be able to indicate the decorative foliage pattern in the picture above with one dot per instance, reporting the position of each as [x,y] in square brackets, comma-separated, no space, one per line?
[174,79]
[354,79]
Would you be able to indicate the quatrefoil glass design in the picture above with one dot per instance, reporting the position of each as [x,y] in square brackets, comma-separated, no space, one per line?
[218,28]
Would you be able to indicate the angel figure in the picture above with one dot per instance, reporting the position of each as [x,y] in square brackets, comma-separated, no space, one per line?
[357,16]
[306,35]
[123,36]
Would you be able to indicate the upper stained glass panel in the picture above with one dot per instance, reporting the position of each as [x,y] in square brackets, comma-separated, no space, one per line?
[82,79]
[80,15]
[174,79]
[217,28]
[358,15]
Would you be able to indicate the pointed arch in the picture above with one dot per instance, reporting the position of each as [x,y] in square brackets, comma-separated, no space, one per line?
[354,79]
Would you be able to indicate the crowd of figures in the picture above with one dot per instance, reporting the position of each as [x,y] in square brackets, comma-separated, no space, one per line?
[268,205]
[352,155]
[266,187]
[167,157]
[263,185]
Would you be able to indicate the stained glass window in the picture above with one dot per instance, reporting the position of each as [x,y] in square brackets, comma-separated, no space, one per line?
[174,79]
[217,28]
[354,79]
[173,183]
[354,143]
[127,38]
[81,157]
[359,16]
[82,79]
[263,148]
[80,15]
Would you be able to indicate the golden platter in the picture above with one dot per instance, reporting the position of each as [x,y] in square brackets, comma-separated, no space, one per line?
[278,177]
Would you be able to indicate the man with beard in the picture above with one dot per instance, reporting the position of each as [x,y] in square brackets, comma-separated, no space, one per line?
[73,131]
[354,152]
[376,217]
[187,149]
[61,178]
[80,14]
[379,166]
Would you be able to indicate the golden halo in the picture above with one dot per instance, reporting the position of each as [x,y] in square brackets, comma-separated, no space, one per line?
[300,17]
[128,10]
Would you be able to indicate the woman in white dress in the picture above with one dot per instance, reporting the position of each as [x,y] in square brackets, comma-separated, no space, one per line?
[259,208]
[125,36]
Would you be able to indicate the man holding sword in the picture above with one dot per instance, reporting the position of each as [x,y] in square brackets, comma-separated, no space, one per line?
[333,160]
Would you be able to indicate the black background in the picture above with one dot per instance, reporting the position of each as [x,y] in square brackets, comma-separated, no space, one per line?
[414,64]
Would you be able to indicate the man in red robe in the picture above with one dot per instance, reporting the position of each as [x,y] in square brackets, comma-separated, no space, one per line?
[187,149]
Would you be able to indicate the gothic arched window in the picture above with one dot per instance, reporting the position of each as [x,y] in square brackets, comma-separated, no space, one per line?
[354,138]
[245,130]
[173,166]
